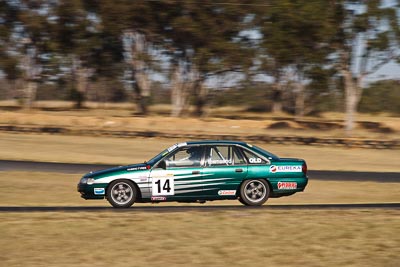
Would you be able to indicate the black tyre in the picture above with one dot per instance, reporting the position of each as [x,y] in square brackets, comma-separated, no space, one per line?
[254,192]
[121,194]
[241,201]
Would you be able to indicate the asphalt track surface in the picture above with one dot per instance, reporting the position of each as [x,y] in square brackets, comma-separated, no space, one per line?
[80,169]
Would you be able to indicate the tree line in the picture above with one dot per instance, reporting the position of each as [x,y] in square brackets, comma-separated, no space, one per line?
[299,48]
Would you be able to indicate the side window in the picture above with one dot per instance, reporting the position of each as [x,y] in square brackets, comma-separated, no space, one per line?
[237,157]
[253,158]
[185,157]
[224,156]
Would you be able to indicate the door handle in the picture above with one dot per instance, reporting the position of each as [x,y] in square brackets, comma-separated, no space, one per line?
[195,172]
[239,170]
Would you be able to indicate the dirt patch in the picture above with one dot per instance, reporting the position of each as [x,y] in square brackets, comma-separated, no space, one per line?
[279,125]
[317,125]
[375,126]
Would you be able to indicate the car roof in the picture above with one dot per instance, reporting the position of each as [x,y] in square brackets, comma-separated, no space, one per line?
[220,142]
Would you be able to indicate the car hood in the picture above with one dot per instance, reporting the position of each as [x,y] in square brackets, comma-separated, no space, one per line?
[132,167]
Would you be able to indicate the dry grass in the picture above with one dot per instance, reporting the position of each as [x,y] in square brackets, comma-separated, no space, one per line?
[120,151]
[223,120]
[230,238]
[56,189]
[194,238]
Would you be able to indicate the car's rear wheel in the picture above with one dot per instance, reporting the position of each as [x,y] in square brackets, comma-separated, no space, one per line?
[121,194]
[254,192]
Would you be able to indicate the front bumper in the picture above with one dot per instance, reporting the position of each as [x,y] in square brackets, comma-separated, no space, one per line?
[88,191]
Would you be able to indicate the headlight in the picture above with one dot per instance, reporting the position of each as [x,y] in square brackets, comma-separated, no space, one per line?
[88,181]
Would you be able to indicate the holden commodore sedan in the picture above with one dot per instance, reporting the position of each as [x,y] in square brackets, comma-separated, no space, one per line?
[199,172]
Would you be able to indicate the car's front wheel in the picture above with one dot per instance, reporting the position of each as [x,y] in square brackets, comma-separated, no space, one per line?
[121,194]
[254,192]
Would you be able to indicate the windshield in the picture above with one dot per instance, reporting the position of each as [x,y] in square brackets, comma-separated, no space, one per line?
[164,153]
[158,157]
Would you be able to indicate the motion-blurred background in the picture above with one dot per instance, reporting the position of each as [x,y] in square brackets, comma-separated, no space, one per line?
[296,58]
[116,82]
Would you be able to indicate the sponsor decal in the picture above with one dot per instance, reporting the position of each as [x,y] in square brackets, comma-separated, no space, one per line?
[172,148]
[175,146]
[255,160]
[158,198]
[227,192]
[99,191]
[219,161]
[287,185]
[289,168]
[136,168]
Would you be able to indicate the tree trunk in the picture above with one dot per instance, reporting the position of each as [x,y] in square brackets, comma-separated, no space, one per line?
[352,97]
[142,89]
[80,76]
[179,92]
[31,74]
[136,47]
[29,94]
[300,100]
[277,98]
[200,93]
[141,100]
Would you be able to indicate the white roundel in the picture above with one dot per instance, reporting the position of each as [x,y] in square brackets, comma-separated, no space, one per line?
[255,160]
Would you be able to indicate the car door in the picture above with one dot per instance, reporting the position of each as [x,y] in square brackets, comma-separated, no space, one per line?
[224,170]
[182,177]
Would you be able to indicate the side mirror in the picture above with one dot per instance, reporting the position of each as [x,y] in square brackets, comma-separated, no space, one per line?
[162,164]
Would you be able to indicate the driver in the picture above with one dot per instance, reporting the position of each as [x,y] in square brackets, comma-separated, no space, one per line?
[194,155]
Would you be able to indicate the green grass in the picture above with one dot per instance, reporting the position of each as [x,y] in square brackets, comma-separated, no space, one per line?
[79,149]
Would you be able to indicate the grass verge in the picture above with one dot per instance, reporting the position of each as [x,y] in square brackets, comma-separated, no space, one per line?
[228,238]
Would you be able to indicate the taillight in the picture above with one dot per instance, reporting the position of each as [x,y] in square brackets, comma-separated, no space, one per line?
[304,168]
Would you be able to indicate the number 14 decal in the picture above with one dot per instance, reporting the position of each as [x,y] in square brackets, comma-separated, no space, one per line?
[163,186]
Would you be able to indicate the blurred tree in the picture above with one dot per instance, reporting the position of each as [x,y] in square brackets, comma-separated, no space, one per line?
[296,42]
[369,39]
[25,43]
[8,16]
[203,39]
[77,37]
[382,96]
[136,55]
[127,31]
[198,39]
[8,61]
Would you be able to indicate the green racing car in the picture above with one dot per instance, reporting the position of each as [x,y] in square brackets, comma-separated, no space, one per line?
[198,172]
